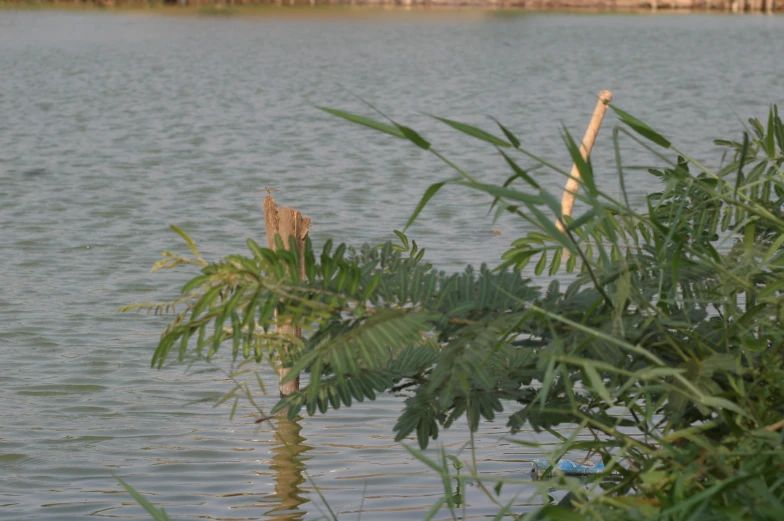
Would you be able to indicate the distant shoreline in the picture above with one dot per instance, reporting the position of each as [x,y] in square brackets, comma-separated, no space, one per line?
[365,8]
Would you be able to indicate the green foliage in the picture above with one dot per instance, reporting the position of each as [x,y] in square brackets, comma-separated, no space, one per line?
[666,346]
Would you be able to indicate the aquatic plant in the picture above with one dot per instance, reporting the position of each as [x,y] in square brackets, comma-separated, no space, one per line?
[666,348]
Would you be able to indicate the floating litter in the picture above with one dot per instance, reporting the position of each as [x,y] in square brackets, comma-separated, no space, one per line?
[567,467]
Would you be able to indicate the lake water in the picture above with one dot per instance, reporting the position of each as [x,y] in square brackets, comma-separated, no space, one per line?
[113,127]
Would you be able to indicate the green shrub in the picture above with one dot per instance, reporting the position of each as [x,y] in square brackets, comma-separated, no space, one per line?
[666,347]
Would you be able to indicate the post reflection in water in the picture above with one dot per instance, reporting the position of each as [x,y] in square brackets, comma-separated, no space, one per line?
[288,464]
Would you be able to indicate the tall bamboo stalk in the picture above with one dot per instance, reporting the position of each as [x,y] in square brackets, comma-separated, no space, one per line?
[573,184]
[287,223]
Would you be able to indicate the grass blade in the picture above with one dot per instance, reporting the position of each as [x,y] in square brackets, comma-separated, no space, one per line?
[583,165]
[413,136]
[429,193]
[519,171]
[362,120]
[641,128]
[473,132]
[158,515]
[511,137]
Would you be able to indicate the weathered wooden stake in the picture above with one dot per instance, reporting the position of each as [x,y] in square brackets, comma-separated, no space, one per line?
[573,184]
[287,223]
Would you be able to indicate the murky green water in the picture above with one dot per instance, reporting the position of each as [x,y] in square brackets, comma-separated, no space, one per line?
[113,127]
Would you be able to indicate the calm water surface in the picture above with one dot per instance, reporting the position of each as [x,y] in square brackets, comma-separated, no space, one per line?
[114,127]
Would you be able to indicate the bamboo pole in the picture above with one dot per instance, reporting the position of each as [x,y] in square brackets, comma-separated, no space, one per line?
[287,223]
[573,184]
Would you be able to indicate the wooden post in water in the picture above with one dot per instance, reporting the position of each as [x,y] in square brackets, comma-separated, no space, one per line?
[287,223]
[573,184]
